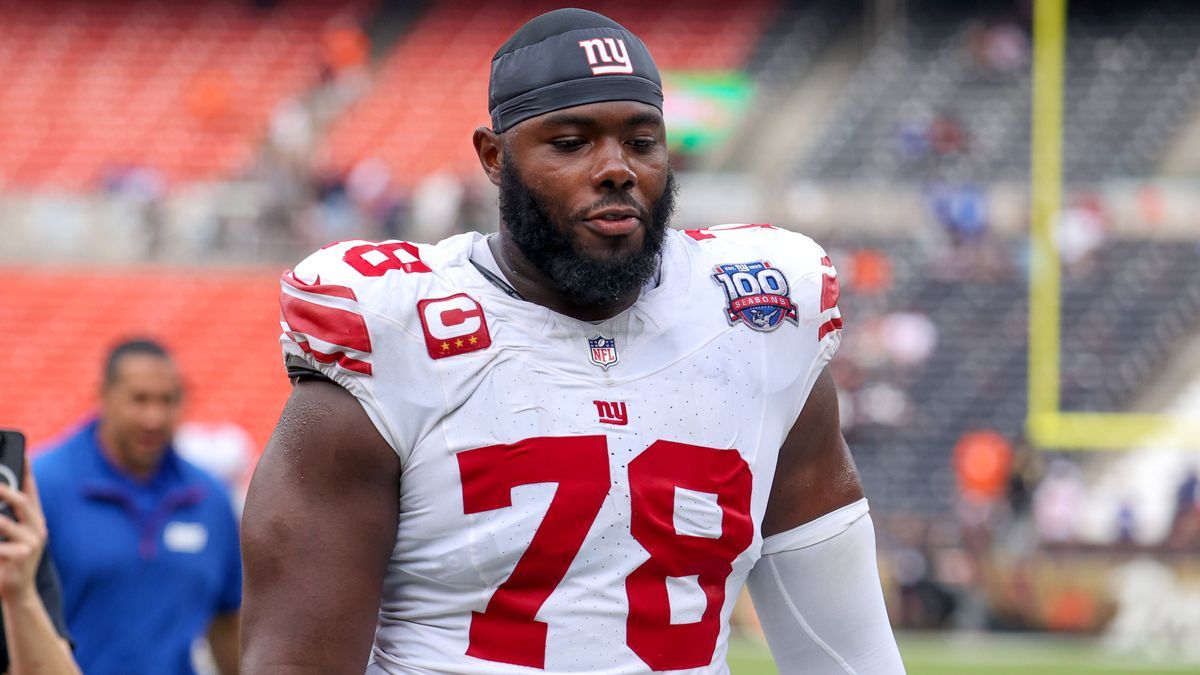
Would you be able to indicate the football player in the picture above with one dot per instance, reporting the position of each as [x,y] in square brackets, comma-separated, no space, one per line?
[566,447]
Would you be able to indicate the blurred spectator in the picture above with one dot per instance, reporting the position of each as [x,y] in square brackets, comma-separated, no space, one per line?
[209,97]
[982,460]
[336,218]
[870,271]
[345,48]
[291,132]
[436,205]
[1126,522]
[909,337]
[947,136]
[961,210]
[1082,230]
[1058,502]
[345,52]
[912,137]
[1187,497]
[883,403]
[924,602]
[31,620]
[1023,477]
[1184,531]
[146,543]
[1002,48]
[140,191]
[1156,613]
[1151,208]
[369,186]
[922,135]
[1070,609]
[477,211]
[223,449]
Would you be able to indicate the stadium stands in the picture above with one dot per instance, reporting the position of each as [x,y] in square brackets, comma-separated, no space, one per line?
[1123,317]
[185,88]
[794,40]
[945,95]
[431,90]
[220,323]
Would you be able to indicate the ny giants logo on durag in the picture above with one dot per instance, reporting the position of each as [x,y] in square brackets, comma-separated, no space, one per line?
[757,294]
[607,56]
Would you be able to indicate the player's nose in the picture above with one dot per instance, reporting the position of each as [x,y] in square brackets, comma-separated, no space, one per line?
[612,169]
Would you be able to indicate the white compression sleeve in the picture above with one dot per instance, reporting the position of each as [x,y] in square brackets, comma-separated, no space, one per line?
[816,590]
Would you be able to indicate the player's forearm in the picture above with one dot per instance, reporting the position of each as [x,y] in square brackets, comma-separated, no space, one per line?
[223,641]
[285,646]
[818,595]
[34,647]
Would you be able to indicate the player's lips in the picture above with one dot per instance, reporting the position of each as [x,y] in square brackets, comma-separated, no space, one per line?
[614,221]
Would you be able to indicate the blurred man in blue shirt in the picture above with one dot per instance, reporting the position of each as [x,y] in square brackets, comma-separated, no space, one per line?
[146,544]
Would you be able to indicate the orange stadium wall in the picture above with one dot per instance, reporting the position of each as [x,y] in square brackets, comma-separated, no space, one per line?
[220,323]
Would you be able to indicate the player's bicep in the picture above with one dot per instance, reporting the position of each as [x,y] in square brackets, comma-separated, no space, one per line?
[815,473]
[317,531]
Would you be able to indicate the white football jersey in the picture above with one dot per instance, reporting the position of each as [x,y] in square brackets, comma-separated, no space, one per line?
[576,497]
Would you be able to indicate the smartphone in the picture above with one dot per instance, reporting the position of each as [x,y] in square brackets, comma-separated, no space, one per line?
[12,463]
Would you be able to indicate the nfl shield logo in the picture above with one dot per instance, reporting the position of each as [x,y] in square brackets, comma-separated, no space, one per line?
[603,351]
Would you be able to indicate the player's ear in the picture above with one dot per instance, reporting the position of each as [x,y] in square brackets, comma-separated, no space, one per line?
[490,148]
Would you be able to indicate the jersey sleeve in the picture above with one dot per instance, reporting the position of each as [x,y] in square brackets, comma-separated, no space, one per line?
[816,297]
[338,313]
[815,293]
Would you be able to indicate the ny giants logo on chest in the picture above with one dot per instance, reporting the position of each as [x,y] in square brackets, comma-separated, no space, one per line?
[757,294]
[612,412]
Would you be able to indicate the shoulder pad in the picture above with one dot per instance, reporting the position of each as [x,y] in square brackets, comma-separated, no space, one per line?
[326,300]
[810,275]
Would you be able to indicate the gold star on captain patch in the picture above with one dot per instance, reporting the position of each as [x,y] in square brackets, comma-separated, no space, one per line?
[472,339]
[445,346]
[458,343]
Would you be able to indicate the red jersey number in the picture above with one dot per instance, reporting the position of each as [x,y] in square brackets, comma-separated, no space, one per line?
[507,631]
[376,260]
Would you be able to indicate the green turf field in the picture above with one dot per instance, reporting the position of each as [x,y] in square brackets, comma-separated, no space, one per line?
[990,655]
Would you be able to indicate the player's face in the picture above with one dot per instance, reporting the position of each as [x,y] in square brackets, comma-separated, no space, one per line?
[586,193]
[140,409]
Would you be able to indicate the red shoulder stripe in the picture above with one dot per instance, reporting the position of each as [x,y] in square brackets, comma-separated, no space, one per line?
[831,290]
[340,358]
[828,327]
[328,324]
[317,287]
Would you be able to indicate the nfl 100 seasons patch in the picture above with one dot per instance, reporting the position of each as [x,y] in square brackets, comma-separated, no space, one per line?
[757,294]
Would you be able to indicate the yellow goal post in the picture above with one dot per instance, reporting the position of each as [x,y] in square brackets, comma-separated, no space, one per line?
[1047,425]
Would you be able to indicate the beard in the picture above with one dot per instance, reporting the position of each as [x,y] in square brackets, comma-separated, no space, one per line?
[550,243]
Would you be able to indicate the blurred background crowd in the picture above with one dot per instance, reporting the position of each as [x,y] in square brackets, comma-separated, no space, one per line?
[164,162]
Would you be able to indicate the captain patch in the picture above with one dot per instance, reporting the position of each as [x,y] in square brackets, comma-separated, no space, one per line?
[757,294]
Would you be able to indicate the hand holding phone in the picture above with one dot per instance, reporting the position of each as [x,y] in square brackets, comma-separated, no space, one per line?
[22,524]
[12,464]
